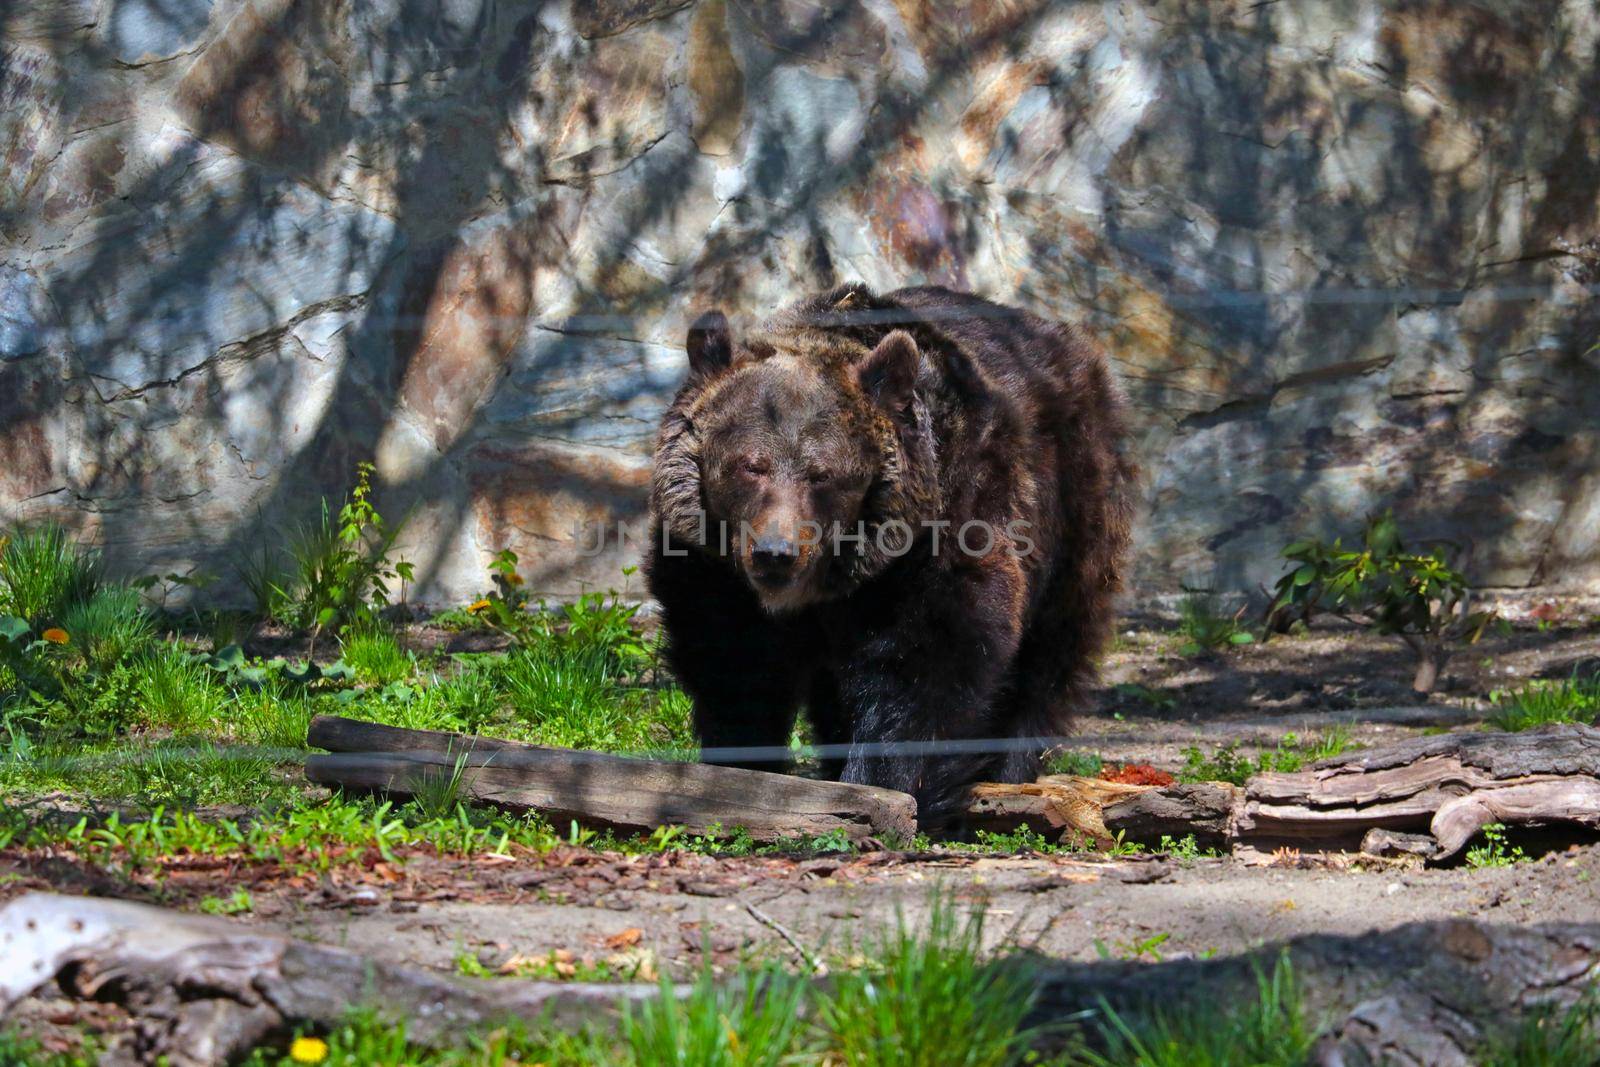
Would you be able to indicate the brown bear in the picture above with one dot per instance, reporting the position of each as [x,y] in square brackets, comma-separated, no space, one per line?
[906,514]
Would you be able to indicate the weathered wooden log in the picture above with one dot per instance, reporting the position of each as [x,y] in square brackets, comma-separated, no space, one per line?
[203,991]
[1202,809]
[1064,808]
[1450,786]
[600,790]
[1421,994]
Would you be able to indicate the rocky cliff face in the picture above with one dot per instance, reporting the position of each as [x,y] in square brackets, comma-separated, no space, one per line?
[1344,254]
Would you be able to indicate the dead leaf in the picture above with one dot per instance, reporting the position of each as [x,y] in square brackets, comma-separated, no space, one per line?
[626,939]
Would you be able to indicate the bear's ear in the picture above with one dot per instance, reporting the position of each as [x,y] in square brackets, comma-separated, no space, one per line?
[710,344]
[888,375]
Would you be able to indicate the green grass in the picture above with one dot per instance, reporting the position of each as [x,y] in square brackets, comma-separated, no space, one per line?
[717,1025]
[929,998]
[1542,702]
[17,1050]
[369,1040]
[376,657]
[1291,753]
[573,696]
[109,628]
[1272,1030]
[1548,1036]
[1205,628]
[43,573]
[1075,761]
[176,691]
[312,837]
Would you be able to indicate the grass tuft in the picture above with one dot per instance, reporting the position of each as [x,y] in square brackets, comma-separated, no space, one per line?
[1205,628]
[758,1025]
[1551,1037]
[109,627]
[1543,702]
[1270,1031]
[177,691]
[43,573]
[376,656]
[930,1000]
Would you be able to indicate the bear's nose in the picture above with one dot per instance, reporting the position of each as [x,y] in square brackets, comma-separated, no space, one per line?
[773,557]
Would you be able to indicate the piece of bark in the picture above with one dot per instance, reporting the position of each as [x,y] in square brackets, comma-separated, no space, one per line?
[1421,994]
[204,991]
[601,790]
[1204,809]
[1450,785]
[1060,807]
[1389,844]
[1065,808]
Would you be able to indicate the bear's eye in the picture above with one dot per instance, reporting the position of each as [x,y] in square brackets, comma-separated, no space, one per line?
[819,476]
[754,466]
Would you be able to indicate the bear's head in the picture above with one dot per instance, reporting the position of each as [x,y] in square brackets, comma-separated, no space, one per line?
[787,452]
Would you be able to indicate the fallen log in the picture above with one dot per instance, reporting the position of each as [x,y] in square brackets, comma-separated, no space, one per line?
[600,790]
[202,991]
[1450,786]
[205,991]
[1421,994]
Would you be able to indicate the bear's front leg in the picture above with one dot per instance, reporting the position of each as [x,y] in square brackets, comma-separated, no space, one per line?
[927,667]
[744,670]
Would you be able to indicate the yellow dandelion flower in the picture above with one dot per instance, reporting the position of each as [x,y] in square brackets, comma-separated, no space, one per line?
[482,605]
[56,636]
[308,1050]
[513,578]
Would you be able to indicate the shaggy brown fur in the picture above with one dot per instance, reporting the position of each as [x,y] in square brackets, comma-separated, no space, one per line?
[922,406]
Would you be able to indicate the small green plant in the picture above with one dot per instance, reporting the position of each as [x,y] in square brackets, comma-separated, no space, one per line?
[1544,701]
[23,656]
[1148,948]
[1494,851]
[43,572]
[1075,761]
[1290,754]
[1160,700]
[1185,848]
[438,793]
[1206,629]
[236,903]
[342,574]
[930,1000]
[1271,1030]
[1419,597]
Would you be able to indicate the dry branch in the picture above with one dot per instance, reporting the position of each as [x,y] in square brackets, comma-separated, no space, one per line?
[600,790]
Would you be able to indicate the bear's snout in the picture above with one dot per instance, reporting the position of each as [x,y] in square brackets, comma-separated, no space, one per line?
[774,558]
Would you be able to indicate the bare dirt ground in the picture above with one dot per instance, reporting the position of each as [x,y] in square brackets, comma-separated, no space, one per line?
[587,914]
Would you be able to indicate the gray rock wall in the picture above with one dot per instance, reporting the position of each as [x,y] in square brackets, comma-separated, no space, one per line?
[1344,253]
